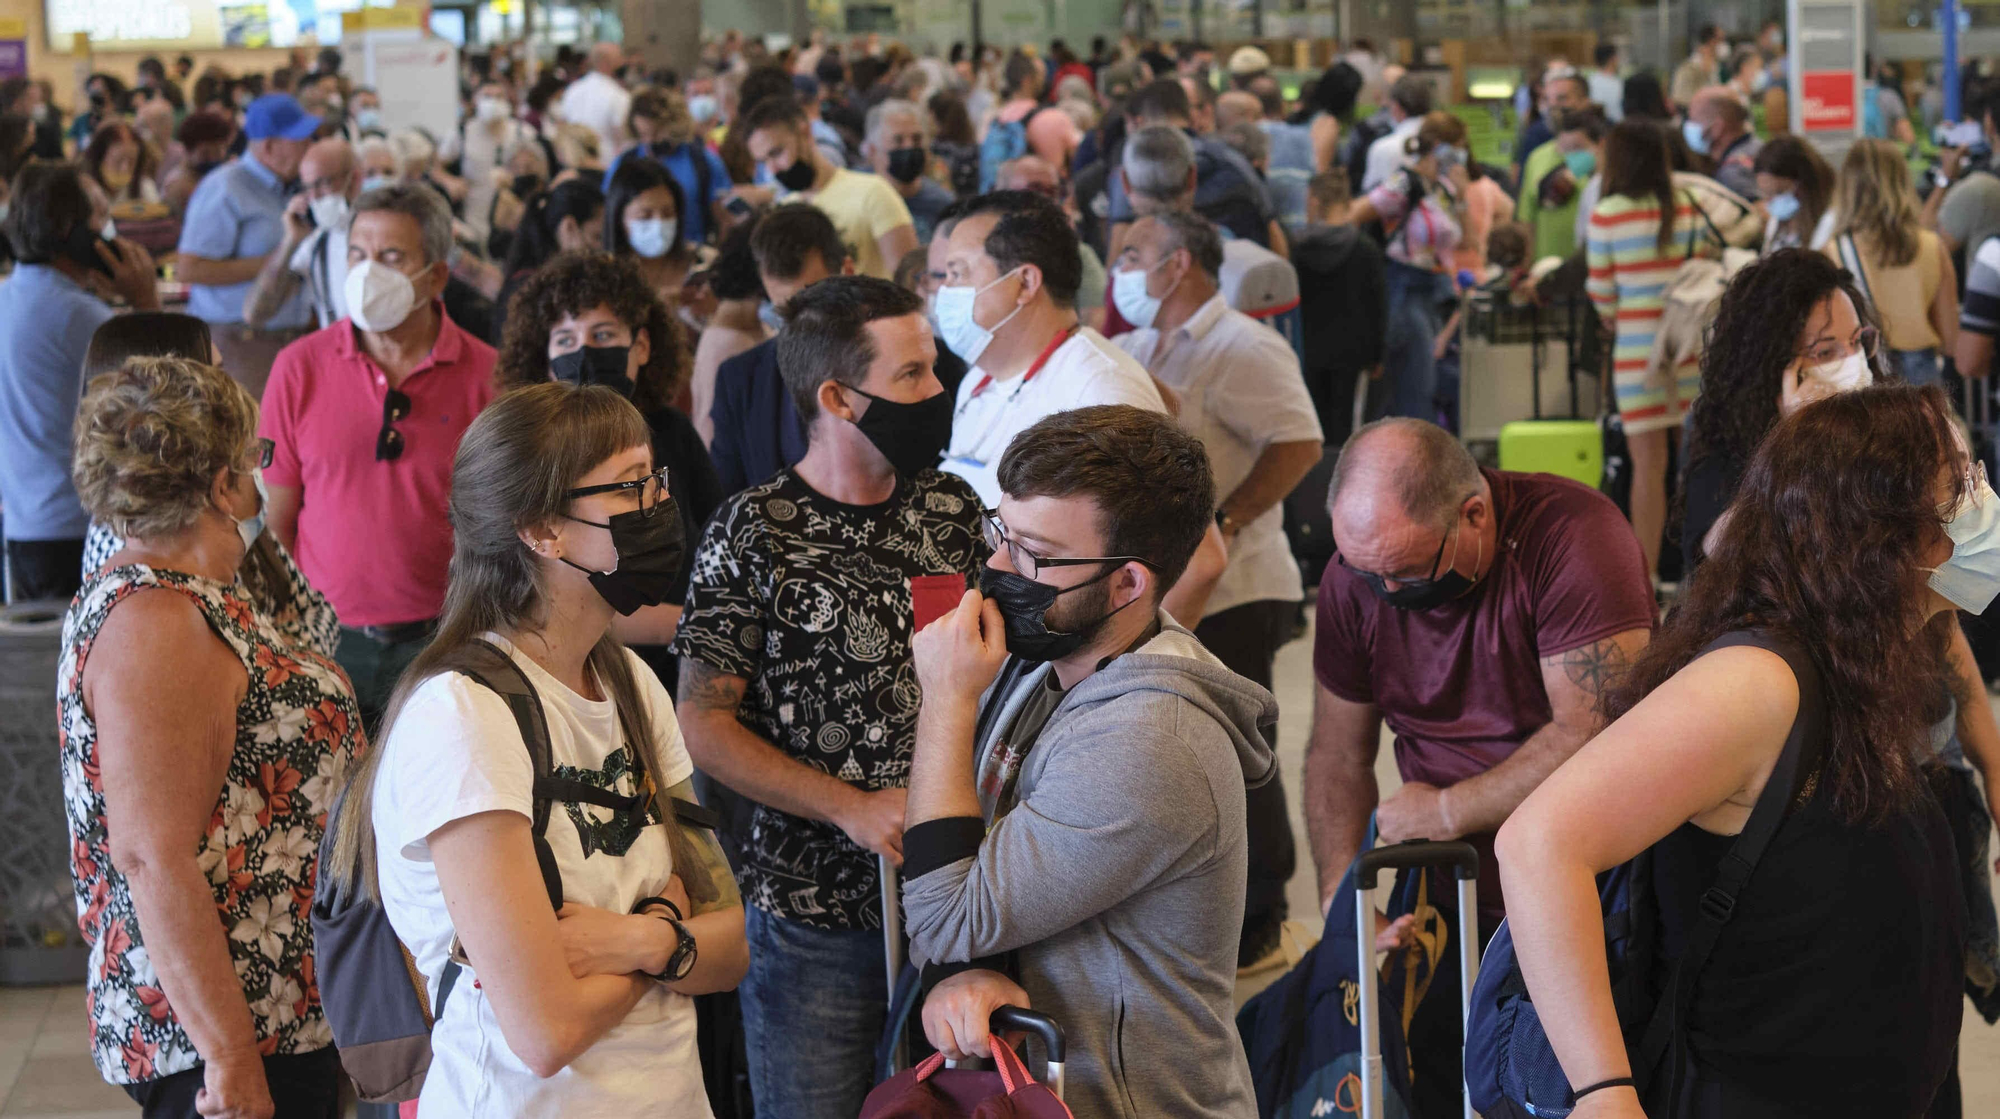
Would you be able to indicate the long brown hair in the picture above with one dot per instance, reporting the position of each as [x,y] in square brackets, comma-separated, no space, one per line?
[1877,205]
[1824,546]
[514,469]
[1638,164]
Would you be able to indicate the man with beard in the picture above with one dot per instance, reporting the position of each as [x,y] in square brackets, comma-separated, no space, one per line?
[796,684]
[1077,840]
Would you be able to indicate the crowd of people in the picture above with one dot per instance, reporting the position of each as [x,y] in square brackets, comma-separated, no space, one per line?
[870,462]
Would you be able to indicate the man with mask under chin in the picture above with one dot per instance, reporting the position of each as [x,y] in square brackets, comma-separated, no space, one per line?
[1480,614]
[1077,835]
[366,416]
[797,687]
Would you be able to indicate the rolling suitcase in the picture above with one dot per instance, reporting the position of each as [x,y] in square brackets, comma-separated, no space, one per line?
[1573,449]
[1463,862]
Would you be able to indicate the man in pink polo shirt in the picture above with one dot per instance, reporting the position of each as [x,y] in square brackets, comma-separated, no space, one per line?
[366,415]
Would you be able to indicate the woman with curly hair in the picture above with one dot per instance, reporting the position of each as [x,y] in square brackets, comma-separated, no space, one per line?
[1809,654]
[592,319]
[201,744]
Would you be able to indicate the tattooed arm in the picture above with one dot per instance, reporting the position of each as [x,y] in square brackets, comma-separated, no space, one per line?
[738,757]
[1575,681]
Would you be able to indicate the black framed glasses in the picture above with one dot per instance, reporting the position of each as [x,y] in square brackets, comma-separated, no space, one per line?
[652,491]
[1867,341]
[389,441]
[1380,582]
[262,451]
[1027,563]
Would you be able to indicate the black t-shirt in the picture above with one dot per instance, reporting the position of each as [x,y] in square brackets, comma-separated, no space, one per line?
[1707,489]
[811,601]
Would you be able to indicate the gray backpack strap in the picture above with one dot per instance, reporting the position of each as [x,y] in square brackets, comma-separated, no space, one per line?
[505,679]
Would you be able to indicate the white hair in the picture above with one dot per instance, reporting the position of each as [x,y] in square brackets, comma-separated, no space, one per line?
[1158,159]
[415,152]
[878,118]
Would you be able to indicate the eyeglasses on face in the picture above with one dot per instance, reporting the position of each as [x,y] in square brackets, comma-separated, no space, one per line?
[1027,563]
[651,491]
[1867,341]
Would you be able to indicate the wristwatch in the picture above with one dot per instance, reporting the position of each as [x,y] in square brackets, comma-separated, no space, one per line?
[681,963]
[1225,522]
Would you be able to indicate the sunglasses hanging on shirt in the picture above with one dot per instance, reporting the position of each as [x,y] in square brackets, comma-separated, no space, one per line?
[389,441]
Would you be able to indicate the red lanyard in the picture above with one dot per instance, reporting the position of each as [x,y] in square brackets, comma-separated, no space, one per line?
[1047,352]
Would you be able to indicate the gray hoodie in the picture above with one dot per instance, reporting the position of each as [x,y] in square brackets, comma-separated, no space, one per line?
[1118,878]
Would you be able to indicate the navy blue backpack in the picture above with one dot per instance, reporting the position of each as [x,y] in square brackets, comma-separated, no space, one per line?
[1510,1068]
[1306,1035]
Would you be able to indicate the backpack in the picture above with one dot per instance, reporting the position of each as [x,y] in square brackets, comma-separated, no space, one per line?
[1510,1067]
[1359,139]
[1689,302]
[374,997]
[1004,141]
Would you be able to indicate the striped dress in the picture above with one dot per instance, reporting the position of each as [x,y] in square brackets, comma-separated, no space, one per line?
[1628,280]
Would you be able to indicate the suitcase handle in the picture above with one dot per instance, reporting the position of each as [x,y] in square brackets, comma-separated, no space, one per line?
[1460,857]
[1008,1019]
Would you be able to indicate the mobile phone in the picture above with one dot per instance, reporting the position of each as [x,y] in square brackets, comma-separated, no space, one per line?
[81,247]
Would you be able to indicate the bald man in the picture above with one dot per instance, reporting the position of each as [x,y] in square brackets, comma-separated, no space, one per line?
[599,102]
[1722,124]
[1478,613]
[1237,107]
[314,251]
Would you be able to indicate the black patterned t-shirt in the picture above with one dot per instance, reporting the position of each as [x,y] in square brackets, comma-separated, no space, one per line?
[811,601]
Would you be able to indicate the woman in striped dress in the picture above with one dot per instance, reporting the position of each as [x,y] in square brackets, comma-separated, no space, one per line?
[1634,250]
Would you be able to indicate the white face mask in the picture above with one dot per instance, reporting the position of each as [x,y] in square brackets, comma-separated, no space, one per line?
[651,238]
[959,329]
[1970,579]
[329,211]
[250,528]
[1128,294]
[379,298]
[376,182]
[1845,375]
[492,108]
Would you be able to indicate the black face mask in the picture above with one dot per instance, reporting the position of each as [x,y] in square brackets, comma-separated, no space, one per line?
[799,176]
[1426,595]
[201,169]
[905,164]
[525,186]
[650,549]
[1024,607]
[910,436]
[596,365]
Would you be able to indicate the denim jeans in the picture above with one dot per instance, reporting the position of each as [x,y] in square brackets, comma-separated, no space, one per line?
[1413,327]
[814,1005]
[1919,367]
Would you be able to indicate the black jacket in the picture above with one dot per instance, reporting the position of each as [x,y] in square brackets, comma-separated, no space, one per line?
[1344,304]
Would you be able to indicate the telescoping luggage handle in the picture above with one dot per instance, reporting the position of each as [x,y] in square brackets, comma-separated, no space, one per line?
[1005,1020]
[1464,864]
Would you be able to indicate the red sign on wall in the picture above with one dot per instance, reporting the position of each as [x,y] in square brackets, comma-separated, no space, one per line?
[1828,97]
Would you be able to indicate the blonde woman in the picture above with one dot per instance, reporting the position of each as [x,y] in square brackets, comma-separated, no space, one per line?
[1901,267]
[201,743]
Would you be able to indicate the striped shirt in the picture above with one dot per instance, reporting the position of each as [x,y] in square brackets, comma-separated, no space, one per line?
[1629,273]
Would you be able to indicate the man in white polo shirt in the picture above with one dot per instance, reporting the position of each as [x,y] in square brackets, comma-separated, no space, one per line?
[1008,307]
[1242,395]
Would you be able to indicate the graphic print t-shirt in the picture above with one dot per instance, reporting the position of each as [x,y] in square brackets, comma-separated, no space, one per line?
[810,600]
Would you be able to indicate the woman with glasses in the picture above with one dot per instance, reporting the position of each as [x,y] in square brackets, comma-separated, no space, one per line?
[592,319]
[201,743]
[560,522]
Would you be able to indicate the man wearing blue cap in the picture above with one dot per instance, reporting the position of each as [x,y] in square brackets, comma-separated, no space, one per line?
[235,219]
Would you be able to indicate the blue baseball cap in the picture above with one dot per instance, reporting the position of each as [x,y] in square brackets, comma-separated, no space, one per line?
[278,116]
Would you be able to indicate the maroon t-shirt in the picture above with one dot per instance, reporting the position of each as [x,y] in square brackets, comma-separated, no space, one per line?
[1460,684]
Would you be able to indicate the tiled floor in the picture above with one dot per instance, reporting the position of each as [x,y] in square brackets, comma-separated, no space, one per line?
[46,1071]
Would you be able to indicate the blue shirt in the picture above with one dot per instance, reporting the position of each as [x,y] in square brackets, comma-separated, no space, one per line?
[1289,170]
[679,162]
[238,211]
[926,205]
[757,430]
[46,320]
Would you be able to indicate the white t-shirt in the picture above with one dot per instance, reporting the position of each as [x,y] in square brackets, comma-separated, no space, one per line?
[479,152]
[1385,155]
[321,261]
[1084,371]
[599,103]
[1241,391]
[456,751]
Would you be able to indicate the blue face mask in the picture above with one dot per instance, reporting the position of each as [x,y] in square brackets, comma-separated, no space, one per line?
[1784,207]
[374,181]
[1697,140]
[370,120]
[702,108]
[1582,164]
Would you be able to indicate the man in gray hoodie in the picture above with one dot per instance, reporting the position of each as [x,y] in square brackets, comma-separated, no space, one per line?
[1076,809]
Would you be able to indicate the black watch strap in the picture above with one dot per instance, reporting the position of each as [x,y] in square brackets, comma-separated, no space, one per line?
[681,963]
[643,904]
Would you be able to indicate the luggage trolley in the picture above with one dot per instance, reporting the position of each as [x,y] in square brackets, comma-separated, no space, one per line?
[1510,365]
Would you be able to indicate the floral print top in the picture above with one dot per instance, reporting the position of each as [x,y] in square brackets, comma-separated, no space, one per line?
[296,730]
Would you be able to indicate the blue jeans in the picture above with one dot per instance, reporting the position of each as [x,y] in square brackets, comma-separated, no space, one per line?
[1413,327]
[814,1005]
[1919,367]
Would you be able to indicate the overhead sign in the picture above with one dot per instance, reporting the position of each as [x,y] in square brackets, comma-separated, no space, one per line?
[13,48]
[194,24]
[1825,71]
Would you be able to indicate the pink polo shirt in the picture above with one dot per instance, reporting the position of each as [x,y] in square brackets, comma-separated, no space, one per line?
[374,537]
